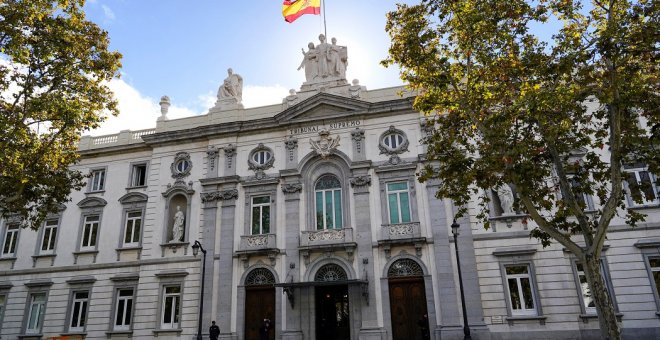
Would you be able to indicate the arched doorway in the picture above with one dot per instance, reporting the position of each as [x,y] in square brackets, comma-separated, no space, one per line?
[332,309]
[259,303]
[407,300]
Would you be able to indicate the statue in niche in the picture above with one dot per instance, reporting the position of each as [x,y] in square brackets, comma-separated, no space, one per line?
[177,227]
[232,87]
[505,194]
[309,62]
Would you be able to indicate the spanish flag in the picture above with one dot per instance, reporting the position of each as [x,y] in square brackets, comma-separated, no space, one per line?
[292,9]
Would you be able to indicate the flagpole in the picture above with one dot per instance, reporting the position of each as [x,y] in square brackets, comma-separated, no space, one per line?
[325,28]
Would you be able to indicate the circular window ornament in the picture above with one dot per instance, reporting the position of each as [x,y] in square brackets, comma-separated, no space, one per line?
[392,143]
[181,166]
[260,159]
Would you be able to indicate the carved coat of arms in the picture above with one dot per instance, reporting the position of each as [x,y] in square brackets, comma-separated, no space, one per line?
[325,145]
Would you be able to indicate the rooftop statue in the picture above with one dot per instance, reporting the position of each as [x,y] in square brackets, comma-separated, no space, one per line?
[232,87]
[324,62]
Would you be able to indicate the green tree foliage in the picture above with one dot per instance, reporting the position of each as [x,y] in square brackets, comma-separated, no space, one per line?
[54,67]
[508,107]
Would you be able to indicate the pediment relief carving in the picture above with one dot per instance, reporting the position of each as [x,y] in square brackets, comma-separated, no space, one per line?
[133,197]
[92,202]
[320,106]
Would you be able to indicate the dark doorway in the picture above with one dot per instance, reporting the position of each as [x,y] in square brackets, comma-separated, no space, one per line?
[332,316]
[407,306]
[259,305]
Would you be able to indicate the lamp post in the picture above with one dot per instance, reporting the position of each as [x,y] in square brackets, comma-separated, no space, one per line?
[466,327]
[196,247]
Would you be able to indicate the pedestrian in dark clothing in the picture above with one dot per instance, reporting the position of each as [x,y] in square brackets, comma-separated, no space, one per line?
[214,331]
[423,324]
[264,329]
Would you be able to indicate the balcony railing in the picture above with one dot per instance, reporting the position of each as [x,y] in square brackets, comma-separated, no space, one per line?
[258,242]
[401,231]
[325,237]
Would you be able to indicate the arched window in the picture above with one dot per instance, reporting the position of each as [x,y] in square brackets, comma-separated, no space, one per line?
[331,272]
[405,267]
[259,277]
[327,200]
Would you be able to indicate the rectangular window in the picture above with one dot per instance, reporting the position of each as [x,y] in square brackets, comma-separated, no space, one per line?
[587,299]
[3,301]
[36,313]
[79,304]
[260,215]
[138,175]
[520,290]
[398,200]
[11,239]
[582,198]
[98,180]
[642,188]
[654,264]
[133,228]
[49,237]
[123,309]
[89,232]
[328,209]
[171,307]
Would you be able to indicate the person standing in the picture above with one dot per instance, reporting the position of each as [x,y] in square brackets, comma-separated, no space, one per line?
[214,331]
[264,330]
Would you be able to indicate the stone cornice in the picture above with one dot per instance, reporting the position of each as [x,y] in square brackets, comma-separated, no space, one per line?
[203,132]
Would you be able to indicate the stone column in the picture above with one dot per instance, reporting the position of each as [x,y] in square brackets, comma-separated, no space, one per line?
[361,181]
[292,189]
[451,322]
[208,235]
[228,197]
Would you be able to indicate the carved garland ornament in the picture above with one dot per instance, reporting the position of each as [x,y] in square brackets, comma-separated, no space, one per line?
[219,195]
[401,229]
[326,235]
[257,240]
[291,188]
[360,181]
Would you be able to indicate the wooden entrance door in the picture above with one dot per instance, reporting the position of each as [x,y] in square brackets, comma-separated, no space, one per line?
[259,305]
[407,306]
[332,313]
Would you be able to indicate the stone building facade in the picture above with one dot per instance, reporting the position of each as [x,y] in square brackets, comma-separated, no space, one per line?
[311,216]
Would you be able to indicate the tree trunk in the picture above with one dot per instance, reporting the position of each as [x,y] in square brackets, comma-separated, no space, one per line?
[609,326]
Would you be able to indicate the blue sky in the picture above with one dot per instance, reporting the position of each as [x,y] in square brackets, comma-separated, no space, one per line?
[183,49]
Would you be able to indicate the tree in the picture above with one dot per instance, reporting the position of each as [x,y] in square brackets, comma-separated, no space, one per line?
[54,67]
[554,119]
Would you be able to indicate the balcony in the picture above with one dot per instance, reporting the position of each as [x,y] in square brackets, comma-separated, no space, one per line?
[327,240]
[400,234]
[251,245]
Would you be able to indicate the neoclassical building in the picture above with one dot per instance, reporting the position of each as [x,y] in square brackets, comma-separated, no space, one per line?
[311,216]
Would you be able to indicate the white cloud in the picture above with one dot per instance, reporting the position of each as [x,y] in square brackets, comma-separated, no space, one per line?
[137,112]
[255,96]
[109,14]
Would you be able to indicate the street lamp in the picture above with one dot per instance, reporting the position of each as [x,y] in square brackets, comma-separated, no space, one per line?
[196,247]
[466,327]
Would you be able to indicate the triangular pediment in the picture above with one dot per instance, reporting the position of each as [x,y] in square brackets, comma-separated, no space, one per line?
[320,106]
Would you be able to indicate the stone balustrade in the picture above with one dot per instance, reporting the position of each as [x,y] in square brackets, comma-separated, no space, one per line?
[125,137]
